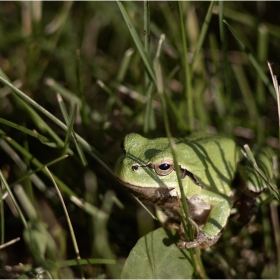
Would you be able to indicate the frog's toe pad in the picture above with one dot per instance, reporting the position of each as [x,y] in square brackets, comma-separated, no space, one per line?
[202,241]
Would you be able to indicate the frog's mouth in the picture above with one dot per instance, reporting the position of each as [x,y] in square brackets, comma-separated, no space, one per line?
[152,195]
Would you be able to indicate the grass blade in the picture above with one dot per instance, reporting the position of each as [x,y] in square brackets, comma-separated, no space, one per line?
[262,45]
[187,86]
[13,199]
[70,131]
[33,133]
[32,172]
[137,42]
[124,65]
[11,242]
[88,261]
[249,155]
[160,88]
[38,164]
[72,233]
[93,152]
[25,202]
[246,91]
[203,32]
[252,59]
[277,90]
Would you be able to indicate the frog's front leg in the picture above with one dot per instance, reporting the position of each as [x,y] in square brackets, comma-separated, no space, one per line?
[209,233]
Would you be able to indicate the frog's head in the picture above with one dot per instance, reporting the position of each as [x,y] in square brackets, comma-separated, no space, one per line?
[147,168]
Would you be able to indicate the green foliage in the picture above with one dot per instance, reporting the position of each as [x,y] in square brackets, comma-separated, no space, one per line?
[76,77]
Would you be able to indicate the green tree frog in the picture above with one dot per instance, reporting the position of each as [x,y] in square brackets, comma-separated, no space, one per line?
[208,167]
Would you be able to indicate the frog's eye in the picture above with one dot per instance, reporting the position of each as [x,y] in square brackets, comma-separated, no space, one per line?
[164,167]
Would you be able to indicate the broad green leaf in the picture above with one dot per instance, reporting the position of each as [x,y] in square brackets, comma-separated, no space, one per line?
[156,255]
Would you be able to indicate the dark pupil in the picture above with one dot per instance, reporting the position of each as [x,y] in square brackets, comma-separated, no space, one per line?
[164,166]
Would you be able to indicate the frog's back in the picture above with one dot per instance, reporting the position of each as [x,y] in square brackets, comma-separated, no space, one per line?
[216,155]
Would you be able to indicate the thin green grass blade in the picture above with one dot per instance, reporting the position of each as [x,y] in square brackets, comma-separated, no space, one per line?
[38,164]
[81,154]
[11,242]
[21,164]
[262,50]
[71,229]
[124,65]
[160,88]
[13,199]
[199,105]
[226,73]
[277,91]
[254,62]
[187,85]
[217,84]
[117,100]
[203,32]
[137,42]
[86,206]
[73,98]
[27,183]
[101,240]
[249,20]
[67,94]
[36,16]
[173,72]
[159,84]
[70,132]
[240,17]
[250,102]
[149,116]
[132,94]
[82,108]
[274,207]
[147,27]
[55,28]
[58,21]
[269,245]
[33,133]
[66,119]
[87,261]
[39,122]
[25,202]
[171,19]
[100,220]
[221,24]
[181,122]
[92,151]
[246,91]
[33,103]
[249,155]
[31,172]
[2,224]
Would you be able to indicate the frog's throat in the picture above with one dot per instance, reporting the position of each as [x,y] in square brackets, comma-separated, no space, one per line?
[152,195]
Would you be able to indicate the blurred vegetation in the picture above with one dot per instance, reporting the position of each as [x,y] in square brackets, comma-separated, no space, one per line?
[79,62]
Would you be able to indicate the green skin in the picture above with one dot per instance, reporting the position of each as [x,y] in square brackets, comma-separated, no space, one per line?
[208,166]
